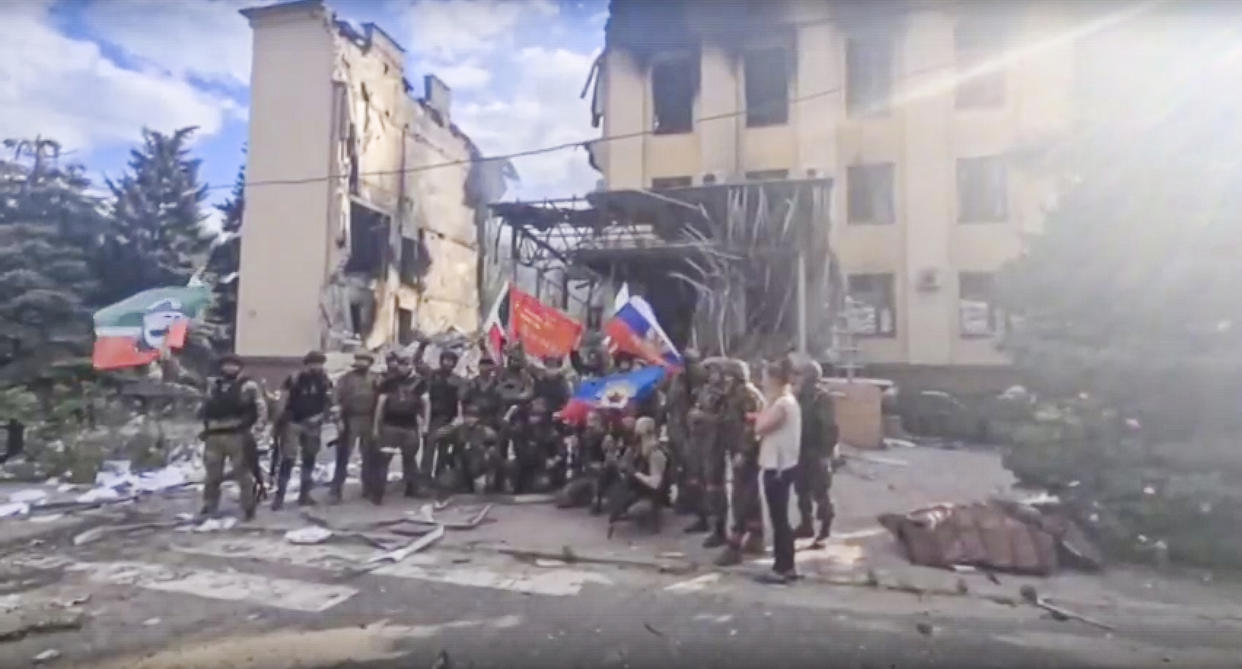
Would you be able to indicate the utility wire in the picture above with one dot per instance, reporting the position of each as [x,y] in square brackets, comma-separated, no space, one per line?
[563,146]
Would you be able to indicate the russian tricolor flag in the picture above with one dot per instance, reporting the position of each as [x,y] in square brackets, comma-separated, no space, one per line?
[635,330]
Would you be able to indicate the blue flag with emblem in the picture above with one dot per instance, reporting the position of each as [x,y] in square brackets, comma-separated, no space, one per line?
[612,392]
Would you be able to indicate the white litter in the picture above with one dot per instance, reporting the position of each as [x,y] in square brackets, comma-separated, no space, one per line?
[308,535]
[98,495]
[48,518]
[47,656]
[14,509]
[541,562]
[33,496]
[151,622]
[216,524]
[67,487]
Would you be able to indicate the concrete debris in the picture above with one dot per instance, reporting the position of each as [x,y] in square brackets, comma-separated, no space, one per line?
[14,509]
[47,518]
[308,535]
[543,562]
[96,533]
[31,496]
[151,622]
[74,601]
[46,656]
[19,624]
[426,516]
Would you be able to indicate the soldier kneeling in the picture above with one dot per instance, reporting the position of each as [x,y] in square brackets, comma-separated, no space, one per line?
[471,447]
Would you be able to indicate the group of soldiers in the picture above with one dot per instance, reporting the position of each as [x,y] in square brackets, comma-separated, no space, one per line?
[501,430]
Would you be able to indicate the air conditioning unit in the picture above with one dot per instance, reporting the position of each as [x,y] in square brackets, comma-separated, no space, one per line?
[710,178]
[928,280]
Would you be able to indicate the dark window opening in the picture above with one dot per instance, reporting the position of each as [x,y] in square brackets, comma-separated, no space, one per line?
[981,190]
[975,44]
[870,193]
[871,305]
[663,183]
[767,87]
[368,241]
[409,258]
[978,315]
[868,76]
[767,175]
[673,84]
[405,326]
[356,315]
[594,317]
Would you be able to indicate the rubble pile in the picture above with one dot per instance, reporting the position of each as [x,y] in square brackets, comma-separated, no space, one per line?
[1141,501]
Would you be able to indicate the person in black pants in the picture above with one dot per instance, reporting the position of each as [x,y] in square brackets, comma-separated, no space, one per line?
[779,426]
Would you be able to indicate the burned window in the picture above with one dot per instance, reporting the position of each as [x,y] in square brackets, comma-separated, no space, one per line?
[868,75]
[767,175]
[664,183]
[870,193]
[405,326]
[767,86]
[976,44]
[674,80]
[871,305]
[409,261]
[368,240]
[978,315]
[981,190]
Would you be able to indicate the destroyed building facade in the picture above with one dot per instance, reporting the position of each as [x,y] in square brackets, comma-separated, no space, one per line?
[922,114]
[362,202]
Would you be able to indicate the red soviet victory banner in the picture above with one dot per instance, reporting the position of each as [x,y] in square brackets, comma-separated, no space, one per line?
[543,330]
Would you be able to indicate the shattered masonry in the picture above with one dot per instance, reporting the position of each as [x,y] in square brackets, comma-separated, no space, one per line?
[381,249]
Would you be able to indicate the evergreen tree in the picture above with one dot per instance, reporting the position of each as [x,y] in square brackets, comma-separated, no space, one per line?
[223,265]
[156,237]
[47,220]
[1130,292]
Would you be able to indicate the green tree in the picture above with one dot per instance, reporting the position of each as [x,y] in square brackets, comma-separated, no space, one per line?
[47,220]
[1130,292]
[223,265]
[156,237]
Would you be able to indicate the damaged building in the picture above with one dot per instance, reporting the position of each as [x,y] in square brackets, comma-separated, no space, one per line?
[350,237]
[885,145]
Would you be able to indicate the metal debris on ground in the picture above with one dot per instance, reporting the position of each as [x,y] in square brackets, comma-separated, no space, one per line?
[999,535]
[394,556]
[425,516]
[96,533]
[1031,596]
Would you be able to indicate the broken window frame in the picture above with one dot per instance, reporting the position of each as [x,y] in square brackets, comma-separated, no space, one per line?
[875,292]
[368,242]
[870,193]
[676,108]
[670,183]
[869,75]
[409,261]
[982,189]
[405,325]
[767,104]
[975,42]
[974,288]
[767,175]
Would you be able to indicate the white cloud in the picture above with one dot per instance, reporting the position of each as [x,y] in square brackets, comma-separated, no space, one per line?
[466,76]
[448,29]
[542,110]
[205,39]
[66,88]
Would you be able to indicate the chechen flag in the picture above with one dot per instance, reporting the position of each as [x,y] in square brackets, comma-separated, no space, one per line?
[635,330]
[496,325]
[134,331]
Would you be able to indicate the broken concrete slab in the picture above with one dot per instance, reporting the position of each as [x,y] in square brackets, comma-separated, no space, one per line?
[38,619]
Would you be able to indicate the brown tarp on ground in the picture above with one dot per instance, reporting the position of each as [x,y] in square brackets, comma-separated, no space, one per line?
[1003,536]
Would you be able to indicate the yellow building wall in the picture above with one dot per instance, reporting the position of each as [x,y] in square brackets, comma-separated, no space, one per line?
[923,135]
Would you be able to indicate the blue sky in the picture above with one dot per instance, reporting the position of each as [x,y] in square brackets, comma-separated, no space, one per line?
[92,73]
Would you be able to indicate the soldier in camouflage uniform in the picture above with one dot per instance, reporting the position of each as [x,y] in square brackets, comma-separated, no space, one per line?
[234,406]
[813,479]
[704,457]
[445,389]
[467,446]
[305,405]
[677,407]
[397,417]
[356,394]
[585,463]
[747,530]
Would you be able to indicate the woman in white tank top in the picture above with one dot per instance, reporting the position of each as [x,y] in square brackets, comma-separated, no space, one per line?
[779,427]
